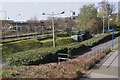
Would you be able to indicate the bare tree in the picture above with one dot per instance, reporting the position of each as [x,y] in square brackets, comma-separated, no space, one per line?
[106,8]
[33,23]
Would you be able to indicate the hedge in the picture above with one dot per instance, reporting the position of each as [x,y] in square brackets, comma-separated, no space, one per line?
[77,47]
[9,41]
[45,55]
[44,37]
[14,47]
[62,35]
[18,47]
[38,38]
[36,56]
[51,36]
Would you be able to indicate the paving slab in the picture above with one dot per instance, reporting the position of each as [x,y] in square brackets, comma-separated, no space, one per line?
[108,69]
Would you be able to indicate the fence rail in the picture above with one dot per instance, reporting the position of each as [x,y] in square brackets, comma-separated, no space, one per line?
[94,53]
[62,58]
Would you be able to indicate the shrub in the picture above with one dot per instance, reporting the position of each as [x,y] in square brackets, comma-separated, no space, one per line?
[62,35]
[45,37]
[15,47]
[45,55]
[21,46]
[76,48]
[9,41]
[8,73]
[58,41]
[47,44]
[36,56]
[51,36]
[64,41]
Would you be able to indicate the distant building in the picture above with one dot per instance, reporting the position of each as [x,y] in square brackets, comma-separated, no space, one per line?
[11,25]
[19,25]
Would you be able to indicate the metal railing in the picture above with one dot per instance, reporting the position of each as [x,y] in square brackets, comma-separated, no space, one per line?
[60,56]
[94,53]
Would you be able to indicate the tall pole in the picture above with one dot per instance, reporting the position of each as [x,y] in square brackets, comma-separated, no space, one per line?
[103,23]
[108,22]
[5,15]
[53,29]
[112,37]
[17,26]
[5,22]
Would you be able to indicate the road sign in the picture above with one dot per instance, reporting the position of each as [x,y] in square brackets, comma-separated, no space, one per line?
[109,30]
[112,35]
[73,13]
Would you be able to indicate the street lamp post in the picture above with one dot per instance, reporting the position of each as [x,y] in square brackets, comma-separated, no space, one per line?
[108,22]
[53,27]
[109,19]
[103,17]
[103,24]
[17,26]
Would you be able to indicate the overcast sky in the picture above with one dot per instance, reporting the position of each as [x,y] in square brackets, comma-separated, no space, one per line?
[31,8]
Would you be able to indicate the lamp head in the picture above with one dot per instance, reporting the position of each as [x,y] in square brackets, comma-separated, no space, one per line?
[62,12]
[43,14]
[110,19]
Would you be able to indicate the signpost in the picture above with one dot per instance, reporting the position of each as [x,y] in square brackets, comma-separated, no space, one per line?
[112,30]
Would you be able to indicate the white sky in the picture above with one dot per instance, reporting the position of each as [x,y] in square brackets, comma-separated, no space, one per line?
[31,8]
[56,0]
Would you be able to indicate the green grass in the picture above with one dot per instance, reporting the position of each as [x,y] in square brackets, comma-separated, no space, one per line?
[0,44]
[16,40]
[8,73]
[48,40]
[58,38]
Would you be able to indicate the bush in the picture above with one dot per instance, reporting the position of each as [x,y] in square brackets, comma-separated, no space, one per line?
[36,56]
[67,29]
[76,48]
[9,41]
[62,35]
[13,47]
[64,41]
[46,55]
[51,36]
[59,41]
[21,46]
[44,37]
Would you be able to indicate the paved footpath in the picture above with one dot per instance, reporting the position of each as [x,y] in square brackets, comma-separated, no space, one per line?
[107,68]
